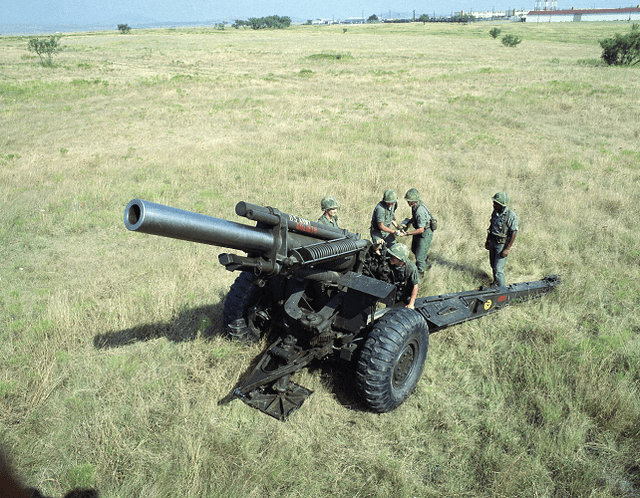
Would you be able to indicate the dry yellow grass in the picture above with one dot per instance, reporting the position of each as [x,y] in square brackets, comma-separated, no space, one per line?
[111,364]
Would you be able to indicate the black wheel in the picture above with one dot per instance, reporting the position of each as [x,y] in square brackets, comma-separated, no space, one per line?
[242,296]
[392,359]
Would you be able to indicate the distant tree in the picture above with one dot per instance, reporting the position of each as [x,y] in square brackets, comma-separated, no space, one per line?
[622,50]
[239,23]
[220,26]
[495,32]
[511,40]
[464,18]
[276,22]
[373,18]
[124,28]
[309,22]
[46,48]
[423,18]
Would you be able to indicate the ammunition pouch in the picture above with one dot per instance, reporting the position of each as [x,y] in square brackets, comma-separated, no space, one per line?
[433,224]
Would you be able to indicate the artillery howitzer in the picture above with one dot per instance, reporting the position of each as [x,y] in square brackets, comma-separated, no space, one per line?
[324,292]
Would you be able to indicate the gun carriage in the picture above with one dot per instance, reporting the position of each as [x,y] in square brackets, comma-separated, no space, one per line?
[322,292]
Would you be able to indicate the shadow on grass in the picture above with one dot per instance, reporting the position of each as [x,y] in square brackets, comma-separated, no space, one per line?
[205,321]
[474,271]
[339,377]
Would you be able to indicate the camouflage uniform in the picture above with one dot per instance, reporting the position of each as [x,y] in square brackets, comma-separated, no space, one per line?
[420,244]
[333,222]
[386,215]
[501,228]
[405,278]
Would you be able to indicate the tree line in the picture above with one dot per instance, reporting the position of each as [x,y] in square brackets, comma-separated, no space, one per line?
[276,22]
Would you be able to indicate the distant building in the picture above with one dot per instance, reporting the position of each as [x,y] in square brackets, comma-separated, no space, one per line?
[494,15]
[574,15]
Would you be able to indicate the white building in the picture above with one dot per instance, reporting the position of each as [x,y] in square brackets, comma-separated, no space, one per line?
[574,15]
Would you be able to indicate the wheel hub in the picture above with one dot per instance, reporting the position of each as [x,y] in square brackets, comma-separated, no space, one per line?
[404,366]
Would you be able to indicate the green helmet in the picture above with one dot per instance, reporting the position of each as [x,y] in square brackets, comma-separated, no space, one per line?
[328,202]
[399,251]
[412,195]
[390,196]
[501,198]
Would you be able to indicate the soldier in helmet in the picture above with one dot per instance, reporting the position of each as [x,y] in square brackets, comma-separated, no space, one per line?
[422,233]
[384,227]
[405,273]
[329,206]
[502,231]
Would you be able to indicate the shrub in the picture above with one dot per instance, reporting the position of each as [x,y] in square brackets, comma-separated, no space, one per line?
[495,32]
[46,48]
[124,28]
[622,50]
[511,40]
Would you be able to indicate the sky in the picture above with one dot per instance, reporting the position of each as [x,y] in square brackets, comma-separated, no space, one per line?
[89,12]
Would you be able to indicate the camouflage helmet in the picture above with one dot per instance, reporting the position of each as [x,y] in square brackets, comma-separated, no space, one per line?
[390,196]
[328,202]
[501,198]
[412,195]
[399,251]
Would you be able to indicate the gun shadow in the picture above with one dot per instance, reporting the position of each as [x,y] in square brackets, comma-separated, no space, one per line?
[339,377]
[477,273]
[187,325]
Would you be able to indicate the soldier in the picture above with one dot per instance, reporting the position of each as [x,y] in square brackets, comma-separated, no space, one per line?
[502,232]
[405,274]
[422,232]
[329,206]
[383,219]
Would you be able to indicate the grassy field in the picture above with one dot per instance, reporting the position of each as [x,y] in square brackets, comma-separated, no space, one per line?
[111,359]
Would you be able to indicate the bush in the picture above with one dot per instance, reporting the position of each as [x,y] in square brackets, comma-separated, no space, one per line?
[124,28]
[495,32]
[511,40]
[622,50]
[46,48]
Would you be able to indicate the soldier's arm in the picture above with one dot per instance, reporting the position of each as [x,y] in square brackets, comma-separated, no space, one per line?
[383,228]
[414,295]
[505,251]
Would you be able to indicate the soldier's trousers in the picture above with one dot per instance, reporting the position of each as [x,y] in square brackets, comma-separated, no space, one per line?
[420,247]
[497,262]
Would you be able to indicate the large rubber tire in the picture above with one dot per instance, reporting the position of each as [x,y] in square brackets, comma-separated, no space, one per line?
[392,359]
[241,297]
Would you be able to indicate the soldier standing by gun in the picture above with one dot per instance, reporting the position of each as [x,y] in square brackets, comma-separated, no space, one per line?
[422,233]
[405,274]
[329,206]
[502,232]
[384,217]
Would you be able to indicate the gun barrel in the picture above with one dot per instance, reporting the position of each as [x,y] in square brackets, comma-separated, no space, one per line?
[158,219]
[267,216]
